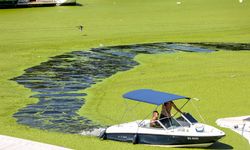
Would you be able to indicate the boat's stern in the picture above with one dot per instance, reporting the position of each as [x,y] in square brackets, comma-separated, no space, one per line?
[121,132]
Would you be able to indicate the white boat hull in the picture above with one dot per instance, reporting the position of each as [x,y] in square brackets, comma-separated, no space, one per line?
[181,136]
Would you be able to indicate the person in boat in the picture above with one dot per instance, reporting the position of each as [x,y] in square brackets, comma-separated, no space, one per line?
[166,117]
[153,121]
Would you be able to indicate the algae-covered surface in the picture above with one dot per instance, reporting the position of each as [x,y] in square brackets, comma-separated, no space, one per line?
[219,79]
[62,83]
[30,36]
[58,82]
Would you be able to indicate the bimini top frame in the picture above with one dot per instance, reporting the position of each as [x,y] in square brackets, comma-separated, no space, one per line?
[152,97]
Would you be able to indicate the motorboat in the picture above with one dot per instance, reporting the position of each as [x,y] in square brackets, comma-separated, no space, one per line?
[184,131]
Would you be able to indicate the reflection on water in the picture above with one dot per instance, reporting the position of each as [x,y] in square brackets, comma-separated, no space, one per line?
[58,82]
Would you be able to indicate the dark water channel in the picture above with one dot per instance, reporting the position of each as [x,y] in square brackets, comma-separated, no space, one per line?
[57,83]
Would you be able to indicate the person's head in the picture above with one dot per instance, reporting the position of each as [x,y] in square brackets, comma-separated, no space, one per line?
[167,103]
[155,113]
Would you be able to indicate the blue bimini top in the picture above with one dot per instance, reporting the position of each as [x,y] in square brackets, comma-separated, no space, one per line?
[152,97]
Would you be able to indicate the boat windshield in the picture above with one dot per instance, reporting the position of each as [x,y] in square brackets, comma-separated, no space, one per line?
[148,124]
[184,120]
[187,118]
[169,123]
